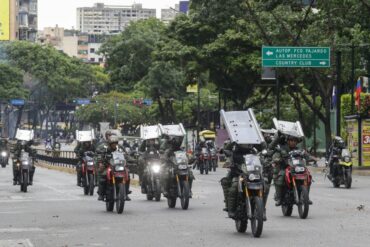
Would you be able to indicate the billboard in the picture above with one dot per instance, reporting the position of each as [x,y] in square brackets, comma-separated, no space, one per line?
[4,19]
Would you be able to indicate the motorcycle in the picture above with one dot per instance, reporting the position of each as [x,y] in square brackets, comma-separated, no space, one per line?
[342,168]
[117,177]
[179,181]
[4,158]
[297,182]
[24,165]
[214,159]
[56,150]
[250,196]
[152,177]
[204,161]
[88,173]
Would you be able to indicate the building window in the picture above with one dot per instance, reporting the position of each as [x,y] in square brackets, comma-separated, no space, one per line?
[92,50]
[100,59]
[92,59]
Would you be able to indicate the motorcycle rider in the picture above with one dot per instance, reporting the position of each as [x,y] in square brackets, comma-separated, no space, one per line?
[198,149]
[235,158]
[266,160]
[26,145]
[104,150]
[126,144]
[146,147]
[289,143]
[336,148]
[169,146]
[79,150]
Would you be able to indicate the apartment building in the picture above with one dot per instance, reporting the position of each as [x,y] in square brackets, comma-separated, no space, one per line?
[110,19]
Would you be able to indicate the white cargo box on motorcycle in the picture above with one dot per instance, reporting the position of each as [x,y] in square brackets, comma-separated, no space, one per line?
[173,130]
[242,127]
[150,132]
[24,135]
[85,136]
[289,128]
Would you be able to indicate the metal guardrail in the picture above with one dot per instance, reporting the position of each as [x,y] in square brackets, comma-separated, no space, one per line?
[57,158]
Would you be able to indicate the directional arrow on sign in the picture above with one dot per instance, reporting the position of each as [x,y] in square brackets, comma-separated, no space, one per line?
[269,53]
[322,63]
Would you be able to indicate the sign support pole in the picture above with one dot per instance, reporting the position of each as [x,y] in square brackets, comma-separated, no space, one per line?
[277,95]
[339,89]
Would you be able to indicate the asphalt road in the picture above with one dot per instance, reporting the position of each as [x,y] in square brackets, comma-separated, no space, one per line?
[55,213]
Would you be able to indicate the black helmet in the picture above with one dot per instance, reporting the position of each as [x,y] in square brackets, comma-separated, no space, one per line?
[339,142]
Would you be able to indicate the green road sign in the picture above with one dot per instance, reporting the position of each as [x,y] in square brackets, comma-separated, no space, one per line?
[281,56]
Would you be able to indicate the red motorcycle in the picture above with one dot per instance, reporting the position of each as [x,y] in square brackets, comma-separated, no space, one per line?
[297,182]
[117,178]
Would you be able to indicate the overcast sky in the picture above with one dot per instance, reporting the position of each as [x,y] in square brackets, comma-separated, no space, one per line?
[63,12]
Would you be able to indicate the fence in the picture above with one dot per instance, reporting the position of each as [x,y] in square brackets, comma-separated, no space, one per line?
[57,158]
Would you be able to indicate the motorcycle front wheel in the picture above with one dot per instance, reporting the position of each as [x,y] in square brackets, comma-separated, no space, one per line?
[348,181]
[91,184]
[121,197]
[303,205]
[25,182]
[214,165]
[185,194]
[109,199]
[201,167]
[158,190]
[171,201]
[257,216]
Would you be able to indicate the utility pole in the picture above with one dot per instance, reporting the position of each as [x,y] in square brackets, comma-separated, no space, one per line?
[198,110]
[115,112]
[352,77]
[339,88]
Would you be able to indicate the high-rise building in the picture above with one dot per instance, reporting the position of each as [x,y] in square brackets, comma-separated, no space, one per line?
[168,15]
[27,20]
[110,19]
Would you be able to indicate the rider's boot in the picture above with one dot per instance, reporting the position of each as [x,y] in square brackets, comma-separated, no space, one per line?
[278,192]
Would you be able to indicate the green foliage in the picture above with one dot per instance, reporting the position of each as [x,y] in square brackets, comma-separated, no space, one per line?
[104,110]
[11,83]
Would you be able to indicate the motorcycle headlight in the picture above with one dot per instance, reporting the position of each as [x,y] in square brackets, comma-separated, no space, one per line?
[26,163]
[119,168]
[90,163]
[253,177]
[156,168]
[299,169]
[183,167]
[4,154]
[347,159]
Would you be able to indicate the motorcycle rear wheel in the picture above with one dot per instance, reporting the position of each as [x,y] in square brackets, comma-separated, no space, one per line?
[257,216]
[121,198]
[185,194]
[241,225]
[303,205]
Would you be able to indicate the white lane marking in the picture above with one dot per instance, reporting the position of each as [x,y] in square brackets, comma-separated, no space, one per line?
[41,200]
[12,212]
[29,243]
[15,230]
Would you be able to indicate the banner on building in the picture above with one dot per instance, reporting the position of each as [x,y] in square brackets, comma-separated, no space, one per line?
[4,20]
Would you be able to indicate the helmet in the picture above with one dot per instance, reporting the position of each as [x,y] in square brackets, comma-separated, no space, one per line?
[108,134]
[113,139]
[339,142]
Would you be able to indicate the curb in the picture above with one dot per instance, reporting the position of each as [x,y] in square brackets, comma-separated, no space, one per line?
[355,171]
[134,181]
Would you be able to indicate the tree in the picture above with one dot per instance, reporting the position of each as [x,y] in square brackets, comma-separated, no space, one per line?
[129,55]
[11,83]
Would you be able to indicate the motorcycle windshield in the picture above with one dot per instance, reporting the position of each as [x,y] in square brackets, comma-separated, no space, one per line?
[118,158]
[181,157]
[252,163]
[204,151]
[346,153]
[297,162]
